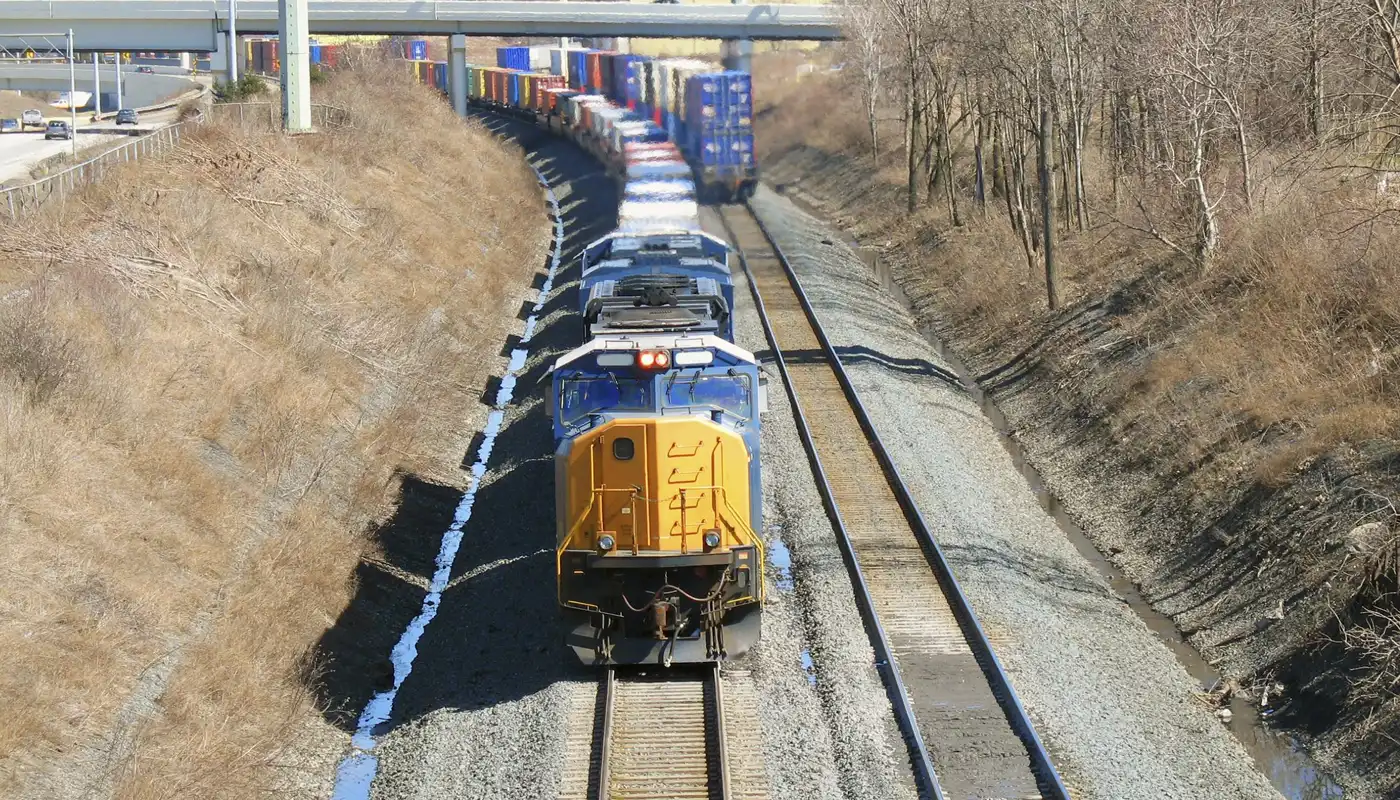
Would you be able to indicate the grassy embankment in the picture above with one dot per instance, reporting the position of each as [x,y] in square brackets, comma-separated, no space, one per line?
[215,366]
[1229,434]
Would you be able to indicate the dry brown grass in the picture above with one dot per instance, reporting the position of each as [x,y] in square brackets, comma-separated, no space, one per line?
[211,367]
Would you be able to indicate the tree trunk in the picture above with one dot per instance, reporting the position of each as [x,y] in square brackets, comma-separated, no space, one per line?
[981,171]
[1047,208]
[1207,233]
[913,138]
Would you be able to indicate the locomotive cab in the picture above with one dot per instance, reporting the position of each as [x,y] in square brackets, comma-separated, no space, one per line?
[659,554]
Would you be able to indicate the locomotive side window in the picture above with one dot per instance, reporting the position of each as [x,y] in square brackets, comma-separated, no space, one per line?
[624,449]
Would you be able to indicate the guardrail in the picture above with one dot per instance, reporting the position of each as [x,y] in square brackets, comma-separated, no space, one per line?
[321,114]
[23,199]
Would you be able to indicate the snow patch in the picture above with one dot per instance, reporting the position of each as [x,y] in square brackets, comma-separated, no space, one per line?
[355,775]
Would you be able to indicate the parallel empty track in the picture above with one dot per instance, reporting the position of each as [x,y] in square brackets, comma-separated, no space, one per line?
[968,735]
[663,736]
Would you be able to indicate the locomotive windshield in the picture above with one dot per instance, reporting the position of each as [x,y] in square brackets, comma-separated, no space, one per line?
[730,393]
[582,396]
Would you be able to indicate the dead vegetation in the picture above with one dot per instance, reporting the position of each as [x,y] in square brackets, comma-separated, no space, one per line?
[1220,364]
[213,368]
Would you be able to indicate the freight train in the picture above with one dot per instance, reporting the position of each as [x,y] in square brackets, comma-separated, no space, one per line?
[658,496]
[706,113]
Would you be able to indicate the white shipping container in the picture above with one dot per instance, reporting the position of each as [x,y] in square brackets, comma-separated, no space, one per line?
[658,170]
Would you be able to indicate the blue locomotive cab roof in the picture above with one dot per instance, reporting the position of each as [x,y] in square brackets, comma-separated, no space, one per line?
[623,247]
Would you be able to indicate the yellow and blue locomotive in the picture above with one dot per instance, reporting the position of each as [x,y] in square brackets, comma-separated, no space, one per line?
[657,478]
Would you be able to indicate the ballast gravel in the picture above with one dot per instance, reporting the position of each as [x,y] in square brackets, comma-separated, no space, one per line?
[828,730]
[1111,701]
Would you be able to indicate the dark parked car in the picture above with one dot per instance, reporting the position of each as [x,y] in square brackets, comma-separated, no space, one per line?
[58,129]
[126,116]
[9,125]
[146,70]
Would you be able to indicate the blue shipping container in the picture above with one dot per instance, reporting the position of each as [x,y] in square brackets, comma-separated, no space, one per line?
[440,75]
[315,53]
[719,100]
[578,68]
[513,81]
[418,50]
[729,150]
[624,82]
[513,58]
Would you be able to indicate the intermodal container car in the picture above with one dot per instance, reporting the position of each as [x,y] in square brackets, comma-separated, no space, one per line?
[418,50]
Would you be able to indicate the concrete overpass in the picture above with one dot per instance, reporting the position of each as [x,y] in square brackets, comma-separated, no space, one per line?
[138,89]
[195,25]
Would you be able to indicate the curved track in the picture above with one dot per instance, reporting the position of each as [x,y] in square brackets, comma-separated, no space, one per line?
[967,733]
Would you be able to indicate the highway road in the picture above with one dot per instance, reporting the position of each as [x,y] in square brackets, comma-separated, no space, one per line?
[20,152]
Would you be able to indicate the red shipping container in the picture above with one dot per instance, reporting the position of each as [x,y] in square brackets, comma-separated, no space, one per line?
[330,55]
[499,91]
[543,100]
[596,76]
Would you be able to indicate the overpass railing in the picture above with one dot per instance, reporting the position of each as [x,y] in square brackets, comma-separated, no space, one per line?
[19,200]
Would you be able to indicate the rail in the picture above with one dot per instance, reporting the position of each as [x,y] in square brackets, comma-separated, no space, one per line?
[1043,770]
[663,737]
[23,199]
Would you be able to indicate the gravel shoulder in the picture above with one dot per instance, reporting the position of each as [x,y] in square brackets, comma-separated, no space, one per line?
[1111,701]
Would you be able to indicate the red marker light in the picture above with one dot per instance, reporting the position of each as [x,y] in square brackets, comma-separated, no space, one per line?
[653,359]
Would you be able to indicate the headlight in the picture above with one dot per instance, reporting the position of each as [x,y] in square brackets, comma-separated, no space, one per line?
[606,542]
[711,539]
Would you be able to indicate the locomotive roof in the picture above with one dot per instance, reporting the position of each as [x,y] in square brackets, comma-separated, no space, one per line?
[621,246]
[643,341]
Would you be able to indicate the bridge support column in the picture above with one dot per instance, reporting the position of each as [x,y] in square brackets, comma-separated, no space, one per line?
[457,73]
[738,54]
[296,65]
[97,84]
[234,52]
[117,69]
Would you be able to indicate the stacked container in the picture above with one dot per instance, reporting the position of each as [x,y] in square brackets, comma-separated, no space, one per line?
[717,129]
[440,74]
[577,72]
[559,61]
[513,58]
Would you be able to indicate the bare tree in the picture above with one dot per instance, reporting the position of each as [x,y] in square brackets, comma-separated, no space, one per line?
[866,28]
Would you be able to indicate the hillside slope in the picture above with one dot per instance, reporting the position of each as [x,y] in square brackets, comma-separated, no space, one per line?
[217,369]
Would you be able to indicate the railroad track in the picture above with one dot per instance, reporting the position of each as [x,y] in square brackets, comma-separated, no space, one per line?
[966,731]
[662,736]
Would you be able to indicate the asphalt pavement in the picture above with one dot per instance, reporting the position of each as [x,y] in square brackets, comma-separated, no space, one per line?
[20,152]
